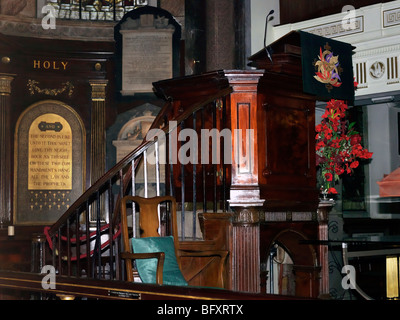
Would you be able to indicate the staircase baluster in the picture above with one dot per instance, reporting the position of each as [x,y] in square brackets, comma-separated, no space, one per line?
[98,235]
[157,174]
[121,183]
[214,165]
[110,228]
[203,167]
[156,150]
[54,256]
[60,270]
[133,193]
[78,244]
[145,173]
[224,187]
[88,257]
[68,248]
[170,182]
[182,192]
[133,176]
[194,183]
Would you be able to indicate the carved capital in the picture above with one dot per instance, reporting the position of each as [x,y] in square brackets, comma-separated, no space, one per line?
[247,215]
[5,84]
[98,89]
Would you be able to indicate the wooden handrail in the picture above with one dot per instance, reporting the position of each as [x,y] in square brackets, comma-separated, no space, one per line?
[122,290]
[93,189]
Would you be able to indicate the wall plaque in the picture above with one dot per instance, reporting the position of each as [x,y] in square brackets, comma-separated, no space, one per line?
[49,162]
[146,53]
[50,153]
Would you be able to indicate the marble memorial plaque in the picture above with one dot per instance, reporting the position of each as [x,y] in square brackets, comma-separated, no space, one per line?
[146,58]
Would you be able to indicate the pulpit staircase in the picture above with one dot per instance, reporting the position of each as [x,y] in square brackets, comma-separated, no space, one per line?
[198,188]
[265,194]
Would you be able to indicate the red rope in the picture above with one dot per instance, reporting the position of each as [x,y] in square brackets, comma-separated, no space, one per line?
[83,239]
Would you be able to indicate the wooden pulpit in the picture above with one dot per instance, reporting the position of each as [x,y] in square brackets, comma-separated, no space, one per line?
[284,196]
[272,193]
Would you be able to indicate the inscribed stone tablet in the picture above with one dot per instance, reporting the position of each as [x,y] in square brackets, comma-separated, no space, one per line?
[146,58]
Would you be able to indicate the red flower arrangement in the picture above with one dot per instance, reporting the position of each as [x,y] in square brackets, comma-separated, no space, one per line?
[338,146]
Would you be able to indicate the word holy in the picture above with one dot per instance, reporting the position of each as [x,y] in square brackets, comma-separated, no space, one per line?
[185,146]
[54,65]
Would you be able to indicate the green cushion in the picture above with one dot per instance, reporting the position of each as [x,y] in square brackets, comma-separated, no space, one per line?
[147,268]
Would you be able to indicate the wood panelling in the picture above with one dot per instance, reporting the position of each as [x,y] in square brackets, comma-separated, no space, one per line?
[51,63]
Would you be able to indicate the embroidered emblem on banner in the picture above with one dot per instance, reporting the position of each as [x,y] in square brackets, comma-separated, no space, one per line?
[328,68]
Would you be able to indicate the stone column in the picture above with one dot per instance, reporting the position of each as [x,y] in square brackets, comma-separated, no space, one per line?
[5,151]
[220,34]
[98,130]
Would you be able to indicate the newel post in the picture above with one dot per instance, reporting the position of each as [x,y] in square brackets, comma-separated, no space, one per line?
[244,197]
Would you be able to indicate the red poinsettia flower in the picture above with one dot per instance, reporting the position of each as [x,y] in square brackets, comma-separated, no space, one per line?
[328,176]
[332,190]
[355,139]
[338,146]
[354,164]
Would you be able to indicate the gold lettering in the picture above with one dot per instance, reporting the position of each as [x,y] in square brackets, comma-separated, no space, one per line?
[55,65]
[50,154]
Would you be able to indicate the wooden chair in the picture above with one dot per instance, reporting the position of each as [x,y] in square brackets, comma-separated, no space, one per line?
[149,226]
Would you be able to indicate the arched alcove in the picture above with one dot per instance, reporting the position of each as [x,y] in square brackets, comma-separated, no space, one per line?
[50,162]
[295,262]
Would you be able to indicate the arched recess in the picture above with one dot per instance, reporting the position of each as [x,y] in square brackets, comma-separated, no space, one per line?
[50,162]
[305,261]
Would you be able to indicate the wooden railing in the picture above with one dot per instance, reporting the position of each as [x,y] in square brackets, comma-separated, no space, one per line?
[68,288]
[85,241]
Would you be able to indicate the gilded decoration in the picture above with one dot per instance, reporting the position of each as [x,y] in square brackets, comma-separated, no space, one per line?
[67,87]
[98,89]
[5,84]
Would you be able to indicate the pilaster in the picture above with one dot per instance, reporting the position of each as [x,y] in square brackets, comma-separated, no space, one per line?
[244,197]
[5,150]
[98,129]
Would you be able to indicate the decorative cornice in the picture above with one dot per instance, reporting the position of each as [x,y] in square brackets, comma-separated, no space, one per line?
[376,51]
[335,29]
[65,29]
[391,17]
